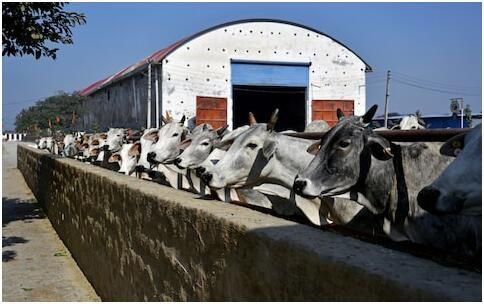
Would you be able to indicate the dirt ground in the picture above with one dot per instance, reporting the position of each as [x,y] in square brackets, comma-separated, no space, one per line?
[36,266]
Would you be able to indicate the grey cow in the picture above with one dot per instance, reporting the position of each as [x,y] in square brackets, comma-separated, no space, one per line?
[356,163]
[261,156]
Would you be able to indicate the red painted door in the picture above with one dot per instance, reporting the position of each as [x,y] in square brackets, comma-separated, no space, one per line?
[326,109]
[212,110]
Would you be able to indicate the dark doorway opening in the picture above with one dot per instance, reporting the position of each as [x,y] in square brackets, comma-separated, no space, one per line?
[263,100]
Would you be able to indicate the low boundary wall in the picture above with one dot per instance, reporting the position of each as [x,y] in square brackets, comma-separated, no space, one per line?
[136,240]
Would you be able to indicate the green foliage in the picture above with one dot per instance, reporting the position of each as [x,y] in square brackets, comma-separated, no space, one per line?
[29,26]
[58,109]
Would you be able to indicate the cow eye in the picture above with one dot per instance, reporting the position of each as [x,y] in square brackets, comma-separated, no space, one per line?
[251,145]
[344,143]
[176,134]
[204,144]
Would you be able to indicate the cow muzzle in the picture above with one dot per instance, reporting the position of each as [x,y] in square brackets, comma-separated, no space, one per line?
[206,177]
[299,185]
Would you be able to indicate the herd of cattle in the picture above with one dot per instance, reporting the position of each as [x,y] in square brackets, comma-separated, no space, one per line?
[428,193]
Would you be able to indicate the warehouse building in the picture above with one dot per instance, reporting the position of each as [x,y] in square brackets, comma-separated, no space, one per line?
[220,74]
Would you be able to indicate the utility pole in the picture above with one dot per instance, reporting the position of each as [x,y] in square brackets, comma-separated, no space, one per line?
[462,113]
[386,98]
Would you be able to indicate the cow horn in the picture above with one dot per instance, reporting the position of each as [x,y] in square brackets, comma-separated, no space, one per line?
[164,120]
[273,120]
[252,120]
[340,114]
[366,119]
[168,116]
[221,130]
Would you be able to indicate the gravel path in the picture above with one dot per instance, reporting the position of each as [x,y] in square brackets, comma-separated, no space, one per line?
[36,266]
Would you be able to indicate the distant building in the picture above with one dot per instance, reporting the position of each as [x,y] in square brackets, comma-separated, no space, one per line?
[222,73]
[433,121]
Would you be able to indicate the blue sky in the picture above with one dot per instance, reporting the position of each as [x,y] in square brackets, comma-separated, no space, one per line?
[432,45]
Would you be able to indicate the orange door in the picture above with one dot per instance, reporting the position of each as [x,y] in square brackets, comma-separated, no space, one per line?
[212,110]
[326,109]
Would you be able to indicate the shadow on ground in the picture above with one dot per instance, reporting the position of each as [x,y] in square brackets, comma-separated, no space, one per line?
[20,210]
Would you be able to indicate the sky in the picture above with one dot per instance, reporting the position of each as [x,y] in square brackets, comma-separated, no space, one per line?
[434,50]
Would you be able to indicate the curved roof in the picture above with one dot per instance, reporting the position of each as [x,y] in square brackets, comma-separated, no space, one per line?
[160,54]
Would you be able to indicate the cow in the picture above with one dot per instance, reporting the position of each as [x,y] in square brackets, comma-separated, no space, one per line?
[127,158]
[42,144]
[458,189]
[354,162]
[409,122]
[261,156]
[198,146]
[165,150]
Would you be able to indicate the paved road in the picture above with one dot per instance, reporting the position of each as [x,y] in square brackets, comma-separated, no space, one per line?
[36,266]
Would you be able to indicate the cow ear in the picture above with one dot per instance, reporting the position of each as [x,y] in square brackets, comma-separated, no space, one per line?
[224,144]
[269,147]
[184,144]
[366,119]
[380,147]
[421,122]
[453,146]
[252,120]
[340,114]
[114,158]
[152,136]
[314,148]
[94,151]
[135,149]
[221,131]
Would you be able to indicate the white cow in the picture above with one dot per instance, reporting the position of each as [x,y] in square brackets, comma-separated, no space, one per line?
[458,188]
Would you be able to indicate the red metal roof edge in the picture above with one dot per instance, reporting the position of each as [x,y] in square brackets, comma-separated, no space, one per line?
[154,57]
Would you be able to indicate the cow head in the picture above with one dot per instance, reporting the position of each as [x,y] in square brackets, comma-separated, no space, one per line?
[166,149]
[253,147]
[115,138]
[410,122]
[198,147]
[458,188]
[127,157]
[147,140]
[42,144]
[343,151]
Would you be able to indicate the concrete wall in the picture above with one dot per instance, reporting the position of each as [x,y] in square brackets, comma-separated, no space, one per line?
[136,240]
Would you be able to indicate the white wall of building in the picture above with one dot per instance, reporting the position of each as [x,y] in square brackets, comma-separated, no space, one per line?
[201,67]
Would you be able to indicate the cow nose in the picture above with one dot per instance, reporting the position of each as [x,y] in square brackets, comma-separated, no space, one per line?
[199,171]
[151,157]
[206,177]
[299,185]
[427,198]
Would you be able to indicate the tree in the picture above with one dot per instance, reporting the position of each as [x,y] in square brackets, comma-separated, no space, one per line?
[57,111]
[28,27]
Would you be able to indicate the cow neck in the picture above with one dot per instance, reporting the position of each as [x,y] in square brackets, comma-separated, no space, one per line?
[396,215]
[288,161]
